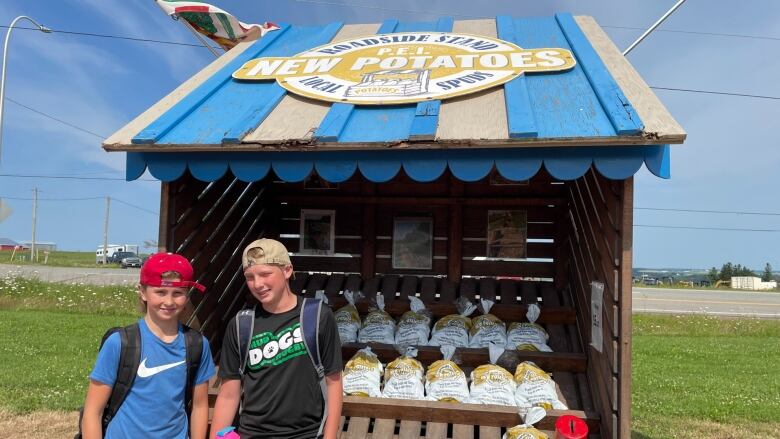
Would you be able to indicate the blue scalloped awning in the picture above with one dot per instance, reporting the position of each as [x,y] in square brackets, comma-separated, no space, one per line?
[563,163]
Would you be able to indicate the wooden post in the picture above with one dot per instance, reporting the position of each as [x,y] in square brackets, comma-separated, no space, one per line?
[455,238]
[626,285]
[165,205]
[368,255]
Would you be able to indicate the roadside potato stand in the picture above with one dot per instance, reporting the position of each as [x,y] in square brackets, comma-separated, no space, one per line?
[478,158]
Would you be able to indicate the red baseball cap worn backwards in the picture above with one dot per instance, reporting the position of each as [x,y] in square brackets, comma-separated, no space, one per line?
[157,264]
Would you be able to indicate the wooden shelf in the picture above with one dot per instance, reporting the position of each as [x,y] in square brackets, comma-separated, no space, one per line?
[453,413]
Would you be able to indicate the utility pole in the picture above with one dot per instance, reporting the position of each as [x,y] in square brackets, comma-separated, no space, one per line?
[105,230]
[35,214]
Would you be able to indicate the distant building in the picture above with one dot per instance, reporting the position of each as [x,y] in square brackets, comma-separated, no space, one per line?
[9,244]
[40,245]
[751,283]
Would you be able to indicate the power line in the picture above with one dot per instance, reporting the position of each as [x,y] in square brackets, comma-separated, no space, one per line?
[69,177]
[723,93]
[56,119]
[133,205]
[116,37]
[706,228]
[53,199]
[735,212]
[756,37]
[81,199]
[175,43]
[358,5]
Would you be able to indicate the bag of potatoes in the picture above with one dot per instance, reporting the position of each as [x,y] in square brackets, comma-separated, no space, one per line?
[404,377]
[444,380]
[363,374]
[491,383]
[454,329]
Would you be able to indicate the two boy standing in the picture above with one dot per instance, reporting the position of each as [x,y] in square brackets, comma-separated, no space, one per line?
[277,387]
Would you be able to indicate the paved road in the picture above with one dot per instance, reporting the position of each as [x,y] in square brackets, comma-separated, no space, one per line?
[97,276]
[718,303]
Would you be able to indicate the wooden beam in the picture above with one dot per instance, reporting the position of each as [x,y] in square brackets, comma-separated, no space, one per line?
[335,200]
[447,412]
[164,226]
[626,285]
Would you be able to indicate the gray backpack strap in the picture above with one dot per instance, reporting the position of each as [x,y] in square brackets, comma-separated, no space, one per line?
[311,309]
[245,325]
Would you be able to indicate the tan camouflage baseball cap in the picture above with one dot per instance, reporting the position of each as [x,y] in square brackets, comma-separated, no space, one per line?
[273,252]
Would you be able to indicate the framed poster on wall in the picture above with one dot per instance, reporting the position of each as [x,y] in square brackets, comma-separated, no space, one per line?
[318,231]
[507,234]
[413,243]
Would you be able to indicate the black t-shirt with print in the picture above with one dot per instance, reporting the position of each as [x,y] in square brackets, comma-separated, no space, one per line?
[282,396]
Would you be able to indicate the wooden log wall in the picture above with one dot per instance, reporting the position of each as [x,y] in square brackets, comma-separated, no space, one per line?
[599,246]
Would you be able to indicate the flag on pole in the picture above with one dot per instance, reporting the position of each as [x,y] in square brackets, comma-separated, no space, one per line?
[215,23]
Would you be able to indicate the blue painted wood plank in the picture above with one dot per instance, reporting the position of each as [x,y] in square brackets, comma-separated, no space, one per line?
[621,113]
[519,114]
[388,26]
[334,122]
[426,116]
[135,165]
[163,124]
[255,115]
[564,104]
[241,102]
[658,160]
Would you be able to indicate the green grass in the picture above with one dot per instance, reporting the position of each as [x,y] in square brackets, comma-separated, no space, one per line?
[49,338]
[696,369]
[56,259]
[21,293]
[45,357]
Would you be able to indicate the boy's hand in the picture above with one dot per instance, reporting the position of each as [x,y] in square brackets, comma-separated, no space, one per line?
[226,406]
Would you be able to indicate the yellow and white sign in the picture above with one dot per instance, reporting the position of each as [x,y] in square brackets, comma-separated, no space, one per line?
[404,67]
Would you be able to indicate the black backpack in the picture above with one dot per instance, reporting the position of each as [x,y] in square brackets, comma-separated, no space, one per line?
[130,359]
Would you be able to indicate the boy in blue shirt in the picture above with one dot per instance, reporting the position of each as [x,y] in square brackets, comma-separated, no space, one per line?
[154,407]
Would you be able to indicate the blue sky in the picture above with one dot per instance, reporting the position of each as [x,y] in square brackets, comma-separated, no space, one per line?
[729,162]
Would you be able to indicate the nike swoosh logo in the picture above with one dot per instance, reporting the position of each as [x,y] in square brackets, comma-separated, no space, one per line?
[145,372]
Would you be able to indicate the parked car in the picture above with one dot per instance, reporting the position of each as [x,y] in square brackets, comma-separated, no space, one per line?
[650,281]
[126,259]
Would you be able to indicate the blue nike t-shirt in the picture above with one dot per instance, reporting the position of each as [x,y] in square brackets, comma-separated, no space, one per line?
[155,405]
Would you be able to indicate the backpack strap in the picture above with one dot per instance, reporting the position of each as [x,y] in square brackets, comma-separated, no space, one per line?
[129,360]
[245,325]
[311,309]
[193,345]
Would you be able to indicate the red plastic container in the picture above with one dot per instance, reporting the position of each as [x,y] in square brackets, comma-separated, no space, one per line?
[570,427]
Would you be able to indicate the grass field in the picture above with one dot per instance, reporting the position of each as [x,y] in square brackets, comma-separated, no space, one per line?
[56,259]
[716,375]
[20,293]
[694,377]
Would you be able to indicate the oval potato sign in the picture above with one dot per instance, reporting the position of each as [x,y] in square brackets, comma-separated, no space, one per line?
[404,67]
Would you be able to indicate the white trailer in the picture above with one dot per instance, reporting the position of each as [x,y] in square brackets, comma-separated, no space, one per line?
[113,248]
[751,283]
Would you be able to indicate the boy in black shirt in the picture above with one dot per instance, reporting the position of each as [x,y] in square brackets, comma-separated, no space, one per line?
[282,396]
